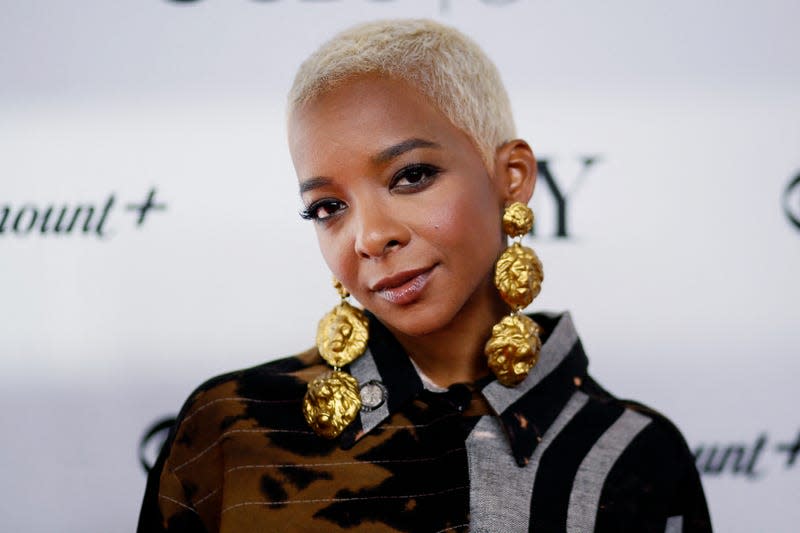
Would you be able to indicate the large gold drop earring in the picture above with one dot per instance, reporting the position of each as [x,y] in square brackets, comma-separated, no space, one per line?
[332,400]
[513,348]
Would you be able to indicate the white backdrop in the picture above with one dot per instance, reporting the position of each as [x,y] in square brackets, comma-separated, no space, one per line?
[680,261]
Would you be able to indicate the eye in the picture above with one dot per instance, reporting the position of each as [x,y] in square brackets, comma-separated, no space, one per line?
[414,177]
[322,209]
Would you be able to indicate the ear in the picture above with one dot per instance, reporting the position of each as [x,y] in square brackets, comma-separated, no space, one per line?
[515,171]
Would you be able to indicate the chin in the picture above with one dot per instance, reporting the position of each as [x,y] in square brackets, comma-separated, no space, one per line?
[416,321]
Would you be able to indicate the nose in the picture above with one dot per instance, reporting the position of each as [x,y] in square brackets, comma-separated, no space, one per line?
[379,231]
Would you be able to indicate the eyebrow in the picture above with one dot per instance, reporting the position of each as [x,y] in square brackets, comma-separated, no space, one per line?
[381,158]
[396,150]
[314,183]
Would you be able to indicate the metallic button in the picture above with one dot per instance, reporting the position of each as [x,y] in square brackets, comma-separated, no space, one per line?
[373,395]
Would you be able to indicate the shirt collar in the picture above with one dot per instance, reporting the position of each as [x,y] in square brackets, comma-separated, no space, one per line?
[385,365]
[388,379]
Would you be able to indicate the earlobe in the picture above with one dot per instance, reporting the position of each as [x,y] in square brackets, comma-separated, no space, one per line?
[515,168]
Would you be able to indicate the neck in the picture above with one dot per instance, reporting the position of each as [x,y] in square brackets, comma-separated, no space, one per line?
[454,354]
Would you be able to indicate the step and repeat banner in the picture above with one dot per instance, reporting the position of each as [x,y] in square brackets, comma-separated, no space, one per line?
[149,235]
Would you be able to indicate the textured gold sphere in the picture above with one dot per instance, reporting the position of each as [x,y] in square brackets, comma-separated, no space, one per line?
[518,275]
[331,403]
[342,335]
[513,348]
[517,219]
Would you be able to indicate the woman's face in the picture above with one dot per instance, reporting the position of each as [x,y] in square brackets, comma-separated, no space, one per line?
[407,216]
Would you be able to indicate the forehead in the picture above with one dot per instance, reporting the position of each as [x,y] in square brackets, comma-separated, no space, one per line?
[365,115]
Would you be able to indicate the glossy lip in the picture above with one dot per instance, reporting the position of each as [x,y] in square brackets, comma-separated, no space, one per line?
[404,287]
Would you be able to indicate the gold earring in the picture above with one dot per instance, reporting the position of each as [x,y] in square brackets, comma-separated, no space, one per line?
[332,400]
[514,346]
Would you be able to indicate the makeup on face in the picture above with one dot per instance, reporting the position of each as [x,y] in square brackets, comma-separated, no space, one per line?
[406,214]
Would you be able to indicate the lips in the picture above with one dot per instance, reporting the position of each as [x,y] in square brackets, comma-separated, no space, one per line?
[404,287]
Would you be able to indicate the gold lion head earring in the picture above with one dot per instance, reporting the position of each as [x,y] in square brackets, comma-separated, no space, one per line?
[332,400]
[513,348]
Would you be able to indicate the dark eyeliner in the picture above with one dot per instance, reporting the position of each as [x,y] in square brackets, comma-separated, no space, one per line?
[429,172]
[311,212]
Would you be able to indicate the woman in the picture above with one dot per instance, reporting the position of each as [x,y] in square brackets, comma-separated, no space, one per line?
[442,408]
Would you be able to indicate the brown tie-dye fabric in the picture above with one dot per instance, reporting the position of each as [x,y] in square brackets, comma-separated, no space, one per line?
[241,458]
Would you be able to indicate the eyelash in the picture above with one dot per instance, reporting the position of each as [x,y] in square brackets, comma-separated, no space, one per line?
[427,172]
[312,211]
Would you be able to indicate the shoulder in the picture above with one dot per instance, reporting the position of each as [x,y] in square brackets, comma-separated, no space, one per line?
[650,426]
[233,393]
[651,473]
[261,397]
[232,411]
[660,428]
[238,405]
[651,449]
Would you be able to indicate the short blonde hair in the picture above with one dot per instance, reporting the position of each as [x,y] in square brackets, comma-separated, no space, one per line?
[440,62]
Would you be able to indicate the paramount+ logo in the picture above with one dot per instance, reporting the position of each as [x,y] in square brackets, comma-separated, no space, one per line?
[98,219]
[745,459]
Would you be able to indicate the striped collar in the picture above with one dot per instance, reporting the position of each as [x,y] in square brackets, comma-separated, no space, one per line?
[389,380]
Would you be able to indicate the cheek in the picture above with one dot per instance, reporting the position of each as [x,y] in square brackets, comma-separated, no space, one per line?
[330,252]
[338,256]
[468,220]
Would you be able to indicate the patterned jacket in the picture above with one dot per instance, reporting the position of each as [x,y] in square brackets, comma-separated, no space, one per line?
[555,453]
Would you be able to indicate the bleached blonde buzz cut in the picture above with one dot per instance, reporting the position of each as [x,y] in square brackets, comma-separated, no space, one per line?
[440,62]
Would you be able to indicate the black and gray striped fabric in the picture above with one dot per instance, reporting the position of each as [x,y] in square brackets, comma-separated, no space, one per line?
[556,453]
